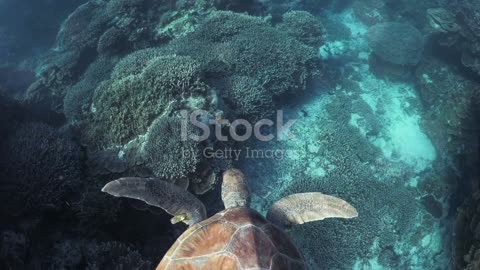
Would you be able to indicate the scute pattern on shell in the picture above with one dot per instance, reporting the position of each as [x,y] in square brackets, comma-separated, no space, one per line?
[234,239]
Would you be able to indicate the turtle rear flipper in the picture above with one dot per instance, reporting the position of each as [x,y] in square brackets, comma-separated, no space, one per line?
[307,207]
[177,202]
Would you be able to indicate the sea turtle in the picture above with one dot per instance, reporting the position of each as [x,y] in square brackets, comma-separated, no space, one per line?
[237,238]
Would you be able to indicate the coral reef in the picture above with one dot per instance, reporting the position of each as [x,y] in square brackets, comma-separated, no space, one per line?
[41,167]
[255,49]
[394,131]
[467,14]
[304,27]
[451,100]
[94,255]
[371,12]
[13,249]
[126,105]
[397,43]
[112,41]
[248,98]
[166,153]
[78,97]
[466,244]
[59,71]
[111,89]
[83,27]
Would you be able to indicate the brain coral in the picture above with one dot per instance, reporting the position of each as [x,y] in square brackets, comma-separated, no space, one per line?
[397,43]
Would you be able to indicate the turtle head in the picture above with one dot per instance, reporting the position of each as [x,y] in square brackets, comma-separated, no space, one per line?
[235,191]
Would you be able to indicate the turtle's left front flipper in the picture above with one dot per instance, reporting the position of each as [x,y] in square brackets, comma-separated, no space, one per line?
[306,207]
[177,202]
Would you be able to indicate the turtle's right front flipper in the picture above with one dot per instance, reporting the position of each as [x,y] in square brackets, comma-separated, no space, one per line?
[177,202]
[307,207]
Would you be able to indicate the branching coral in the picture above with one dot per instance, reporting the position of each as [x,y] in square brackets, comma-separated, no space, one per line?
[125,106]
[134,63]
[109,255]
[93,210]
[304,27]
[78,97]
[93,255]
[59,71]
[281,63]
[227,25]
[41,167]
[248,46]
[248,98]
[167,154]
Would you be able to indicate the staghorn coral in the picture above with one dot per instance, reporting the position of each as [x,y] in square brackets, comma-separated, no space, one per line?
[304,27]
[248,46]
[385,218]
[256,49]
[282,64]
[216,59]
[79,96]
[248,98]
[124,107]
[167,155]
[135,63]
[397,43]
[227,24]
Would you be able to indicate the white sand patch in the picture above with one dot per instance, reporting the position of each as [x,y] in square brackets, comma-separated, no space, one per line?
[401,138]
